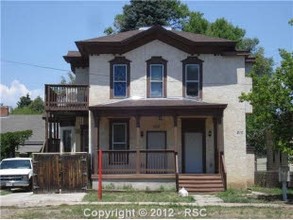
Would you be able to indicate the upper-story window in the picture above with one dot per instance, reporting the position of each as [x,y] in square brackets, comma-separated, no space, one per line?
[192,77]
[156,77]
[119,77]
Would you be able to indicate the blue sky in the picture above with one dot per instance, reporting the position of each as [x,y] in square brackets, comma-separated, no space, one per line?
[41,32]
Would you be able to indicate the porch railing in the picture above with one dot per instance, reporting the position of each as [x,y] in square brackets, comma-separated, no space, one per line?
[223,171]
[66,97]
[138,162]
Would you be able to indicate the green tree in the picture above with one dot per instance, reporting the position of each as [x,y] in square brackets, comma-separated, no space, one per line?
[256,130]
[37,105]
[11,140]
[147,13]
[69,80]
[24,101]
[196,23]
[272,100]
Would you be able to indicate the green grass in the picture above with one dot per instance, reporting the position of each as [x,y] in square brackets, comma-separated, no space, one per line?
[137,196]
[271,195]
[132,211]
[4,192]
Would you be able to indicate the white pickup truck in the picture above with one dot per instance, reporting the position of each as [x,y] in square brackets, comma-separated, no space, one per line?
[16,173]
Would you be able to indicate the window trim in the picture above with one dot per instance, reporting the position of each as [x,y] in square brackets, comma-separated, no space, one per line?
[157,61]
[119,61]
[185,63]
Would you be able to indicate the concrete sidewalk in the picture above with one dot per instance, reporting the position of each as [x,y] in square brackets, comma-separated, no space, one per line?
[28,199]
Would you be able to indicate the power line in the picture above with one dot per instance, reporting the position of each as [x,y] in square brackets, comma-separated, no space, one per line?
[34,65]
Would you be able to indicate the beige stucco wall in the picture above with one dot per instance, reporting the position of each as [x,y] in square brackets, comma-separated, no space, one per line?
[81,76]
[223,82]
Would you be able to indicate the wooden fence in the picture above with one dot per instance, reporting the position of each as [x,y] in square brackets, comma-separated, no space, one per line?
[58,173]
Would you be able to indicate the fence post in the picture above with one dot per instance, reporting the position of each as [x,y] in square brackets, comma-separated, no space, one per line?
[100,174]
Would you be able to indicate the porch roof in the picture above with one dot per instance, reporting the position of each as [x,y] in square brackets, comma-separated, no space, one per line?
[163,106]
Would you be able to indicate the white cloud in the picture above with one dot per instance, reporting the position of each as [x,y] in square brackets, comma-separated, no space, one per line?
[9,95]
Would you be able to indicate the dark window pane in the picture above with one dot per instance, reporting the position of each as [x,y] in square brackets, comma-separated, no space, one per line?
[119,134]
[156,72]
[119,147]
[156,89]
[192,89]
[119,73]
[67,140]
[192,72]
[120,89]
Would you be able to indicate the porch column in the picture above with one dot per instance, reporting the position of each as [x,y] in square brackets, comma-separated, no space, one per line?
[215,121]
[46,133]
[96,147]
[218,140]
[175,133]
[137,118]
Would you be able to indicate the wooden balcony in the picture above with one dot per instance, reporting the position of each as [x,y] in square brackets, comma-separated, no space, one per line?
[66,97]
[138,162]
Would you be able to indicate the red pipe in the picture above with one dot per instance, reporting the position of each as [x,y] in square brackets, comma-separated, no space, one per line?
[100,174]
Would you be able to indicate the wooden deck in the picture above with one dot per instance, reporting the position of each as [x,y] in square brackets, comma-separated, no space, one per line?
[66,97]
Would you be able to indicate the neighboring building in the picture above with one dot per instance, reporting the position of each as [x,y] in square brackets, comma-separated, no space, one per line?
[156,101]
[34,144]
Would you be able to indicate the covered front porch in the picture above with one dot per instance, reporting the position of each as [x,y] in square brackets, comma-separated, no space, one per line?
[157,139]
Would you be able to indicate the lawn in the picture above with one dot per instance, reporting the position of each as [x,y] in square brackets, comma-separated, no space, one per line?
[137,196]
[136,211]
[4,192]
[264,195]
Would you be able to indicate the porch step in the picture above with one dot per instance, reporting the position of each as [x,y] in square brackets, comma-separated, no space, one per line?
[201,182]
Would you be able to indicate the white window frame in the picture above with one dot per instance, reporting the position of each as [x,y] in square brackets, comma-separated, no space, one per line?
[119,81]
[73,144]
[157,81]
[192,81]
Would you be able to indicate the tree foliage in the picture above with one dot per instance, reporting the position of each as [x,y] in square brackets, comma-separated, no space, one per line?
[220,28]
[147,13]
[24,101]
[69,80]
[272,100]
[30,107]
[11,140]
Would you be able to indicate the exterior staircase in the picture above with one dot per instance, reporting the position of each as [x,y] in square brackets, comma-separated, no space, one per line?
[206,183]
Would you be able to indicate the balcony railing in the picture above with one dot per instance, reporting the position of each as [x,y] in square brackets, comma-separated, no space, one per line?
[138,162]
[66,97]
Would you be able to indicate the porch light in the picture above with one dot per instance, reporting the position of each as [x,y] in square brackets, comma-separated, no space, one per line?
[210,133]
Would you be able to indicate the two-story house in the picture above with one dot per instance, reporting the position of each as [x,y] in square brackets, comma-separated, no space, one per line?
[162,105]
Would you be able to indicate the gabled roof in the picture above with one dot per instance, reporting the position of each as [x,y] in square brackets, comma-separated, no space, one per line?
[25,122]
[126,41]
[123,42]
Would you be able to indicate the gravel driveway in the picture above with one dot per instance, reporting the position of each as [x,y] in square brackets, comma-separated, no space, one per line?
[28,199]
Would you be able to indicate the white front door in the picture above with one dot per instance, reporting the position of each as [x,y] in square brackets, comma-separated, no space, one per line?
[193,151]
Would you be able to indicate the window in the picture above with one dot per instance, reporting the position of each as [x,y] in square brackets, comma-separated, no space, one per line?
[119,80]
[192,80]
[156,80]
[192,77]
[119,77]
[156,77]
[119,136]
[119,142]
